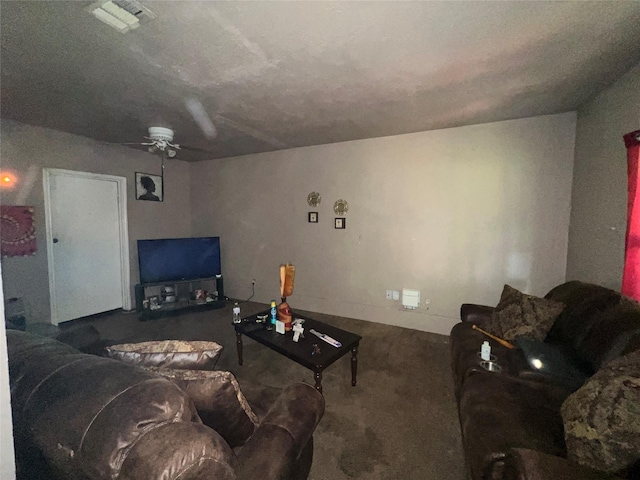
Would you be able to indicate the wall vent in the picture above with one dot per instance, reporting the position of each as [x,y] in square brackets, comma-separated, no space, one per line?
[123,15]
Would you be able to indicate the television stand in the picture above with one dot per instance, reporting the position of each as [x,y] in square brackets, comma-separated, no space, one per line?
[151,303]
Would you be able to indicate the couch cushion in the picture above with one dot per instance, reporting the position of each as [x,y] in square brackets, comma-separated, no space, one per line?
[602,419]
[518,314]
[260,397]
[178,354]
[597,325]
[499,412]
[616,333]
[218,400]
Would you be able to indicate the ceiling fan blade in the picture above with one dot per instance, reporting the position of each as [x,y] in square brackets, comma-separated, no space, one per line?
[137,143]
[201,117]
[193,149]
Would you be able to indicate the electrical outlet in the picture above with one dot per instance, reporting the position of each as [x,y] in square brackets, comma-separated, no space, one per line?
[389,294]
[253,282]
[396,295]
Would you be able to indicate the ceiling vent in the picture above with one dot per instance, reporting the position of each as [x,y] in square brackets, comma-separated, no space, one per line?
[123,15]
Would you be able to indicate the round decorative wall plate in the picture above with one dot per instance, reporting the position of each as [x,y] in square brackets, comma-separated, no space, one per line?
[340,207]
[313,199]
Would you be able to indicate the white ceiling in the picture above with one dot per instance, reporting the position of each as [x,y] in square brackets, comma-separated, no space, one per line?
[274,75]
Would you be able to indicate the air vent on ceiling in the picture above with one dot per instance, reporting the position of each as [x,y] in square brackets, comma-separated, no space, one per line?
[123,15]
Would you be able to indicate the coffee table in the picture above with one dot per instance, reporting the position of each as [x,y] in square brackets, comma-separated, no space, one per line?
[302,352]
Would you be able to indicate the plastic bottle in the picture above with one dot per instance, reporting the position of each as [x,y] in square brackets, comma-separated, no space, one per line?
[485,351]
[236,313]
[274,312]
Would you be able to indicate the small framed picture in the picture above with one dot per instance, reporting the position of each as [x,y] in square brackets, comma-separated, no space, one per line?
[149,187]
[340,223]
[313,217]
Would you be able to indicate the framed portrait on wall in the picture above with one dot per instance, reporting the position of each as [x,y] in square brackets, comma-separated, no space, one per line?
[149,187]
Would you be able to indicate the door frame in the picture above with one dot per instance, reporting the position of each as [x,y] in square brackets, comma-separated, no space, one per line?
[125,271]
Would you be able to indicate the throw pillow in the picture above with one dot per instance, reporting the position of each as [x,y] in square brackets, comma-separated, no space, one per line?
[518,314]
[179,354]
[602,419]
[218,400]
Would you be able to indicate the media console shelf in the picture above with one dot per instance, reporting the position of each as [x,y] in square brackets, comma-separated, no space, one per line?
[185,297]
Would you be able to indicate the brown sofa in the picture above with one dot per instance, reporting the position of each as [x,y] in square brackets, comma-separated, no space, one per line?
[512,421]
[79,416]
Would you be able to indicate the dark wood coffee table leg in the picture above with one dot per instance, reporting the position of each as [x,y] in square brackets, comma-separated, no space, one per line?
[239,345]
[354,365]
[318,376]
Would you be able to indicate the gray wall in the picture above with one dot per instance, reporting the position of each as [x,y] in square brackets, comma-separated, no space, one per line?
[453,213]
[27,149]
[599,198]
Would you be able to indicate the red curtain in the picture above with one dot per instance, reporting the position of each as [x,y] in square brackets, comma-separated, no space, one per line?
[631,275]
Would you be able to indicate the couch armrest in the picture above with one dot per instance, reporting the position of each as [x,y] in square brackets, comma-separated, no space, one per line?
[274,448]
[525,464]
[472,313]
[179,450]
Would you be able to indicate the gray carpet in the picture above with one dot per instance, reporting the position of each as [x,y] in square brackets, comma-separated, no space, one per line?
[399,422]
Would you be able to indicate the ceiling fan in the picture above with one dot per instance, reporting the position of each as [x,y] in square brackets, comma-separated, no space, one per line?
[160,140]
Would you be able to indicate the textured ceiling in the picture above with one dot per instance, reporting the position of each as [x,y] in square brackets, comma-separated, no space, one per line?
[274,75]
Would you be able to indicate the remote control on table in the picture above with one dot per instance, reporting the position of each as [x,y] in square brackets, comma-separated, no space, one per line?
[326,338]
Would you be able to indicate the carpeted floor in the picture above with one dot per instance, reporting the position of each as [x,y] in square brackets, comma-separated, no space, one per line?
[399,422]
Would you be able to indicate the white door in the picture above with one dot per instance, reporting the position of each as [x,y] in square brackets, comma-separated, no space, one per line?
[87,243]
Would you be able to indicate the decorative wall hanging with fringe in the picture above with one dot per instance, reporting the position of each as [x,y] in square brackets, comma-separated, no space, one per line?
[17,231]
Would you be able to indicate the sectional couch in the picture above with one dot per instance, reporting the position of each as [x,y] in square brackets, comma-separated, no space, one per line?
[576,420]
[80,416]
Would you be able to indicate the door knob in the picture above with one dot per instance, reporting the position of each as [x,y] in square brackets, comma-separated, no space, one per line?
[55,240]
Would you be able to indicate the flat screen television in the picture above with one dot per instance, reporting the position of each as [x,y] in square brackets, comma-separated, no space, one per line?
[175,259]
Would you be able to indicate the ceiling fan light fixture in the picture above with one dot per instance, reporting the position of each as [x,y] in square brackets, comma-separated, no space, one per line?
[160,142]
[161,133]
